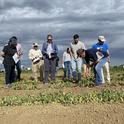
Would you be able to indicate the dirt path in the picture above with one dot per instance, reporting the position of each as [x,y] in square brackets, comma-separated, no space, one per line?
[58,114]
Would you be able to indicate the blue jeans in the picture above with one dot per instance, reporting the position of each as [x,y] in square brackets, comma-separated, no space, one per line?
[99,70]
[67,69]
[76,68]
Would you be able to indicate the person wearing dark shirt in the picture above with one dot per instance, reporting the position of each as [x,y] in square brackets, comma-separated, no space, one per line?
[8,52]
[91,55]
[19,53]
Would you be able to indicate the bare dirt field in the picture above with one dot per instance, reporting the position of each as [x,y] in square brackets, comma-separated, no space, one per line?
[58,114]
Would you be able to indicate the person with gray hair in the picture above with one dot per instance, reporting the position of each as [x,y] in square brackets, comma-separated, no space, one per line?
[49,51]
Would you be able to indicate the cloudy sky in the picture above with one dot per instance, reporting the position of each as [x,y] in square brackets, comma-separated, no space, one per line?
[32,20]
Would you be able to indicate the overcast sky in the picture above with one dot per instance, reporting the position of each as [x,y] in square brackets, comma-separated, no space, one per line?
[32,20]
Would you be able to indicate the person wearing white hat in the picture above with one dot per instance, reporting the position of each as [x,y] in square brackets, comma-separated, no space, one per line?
[37,61]
[102,45]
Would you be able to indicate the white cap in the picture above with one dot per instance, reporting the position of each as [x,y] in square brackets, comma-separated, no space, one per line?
[102,38]
[35,44]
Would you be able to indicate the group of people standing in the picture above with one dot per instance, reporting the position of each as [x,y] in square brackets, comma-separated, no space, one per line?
[97,57]
[44,60]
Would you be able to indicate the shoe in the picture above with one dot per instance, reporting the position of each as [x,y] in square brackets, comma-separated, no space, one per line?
[8,86]
[64,78]
[100,84]
[74,81]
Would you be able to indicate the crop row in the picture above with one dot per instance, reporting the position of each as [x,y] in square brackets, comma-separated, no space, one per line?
[105,96]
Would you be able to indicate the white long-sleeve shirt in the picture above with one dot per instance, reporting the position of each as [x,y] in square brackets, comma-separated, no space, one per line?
[66,57]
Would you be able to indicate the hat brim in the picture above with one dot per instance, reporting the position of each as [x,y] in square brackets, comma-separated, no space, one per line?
[103,40]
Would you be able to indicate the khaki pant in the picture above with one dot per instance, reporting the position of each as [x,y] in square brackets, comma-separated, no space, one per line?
[37,70]
[107,72]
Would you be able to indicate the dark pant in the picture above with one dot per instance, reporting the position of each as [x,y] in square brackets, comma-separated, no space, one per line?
[9,73]
[49,68]
[67,69]
[18,68]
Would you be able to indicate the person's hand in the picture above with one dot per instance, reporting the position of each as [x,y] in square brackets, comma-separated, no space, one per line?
[100,53]
[86,74]
[2,54]
[53,55]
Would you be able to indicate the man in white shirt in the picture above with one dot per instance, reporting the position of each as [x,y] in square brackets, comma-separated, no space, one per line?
[76,61]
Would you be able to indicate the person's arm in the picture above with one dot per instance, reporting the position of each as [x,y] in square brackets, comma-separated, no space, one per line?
[40,54]
[72,52]
[87,70]
[87,67]
[31,56]
[63,58]
[4,51]
[2,54]
[20,51]
[108,60]
[94,63]
[44,52]
[56,49]
[44,49]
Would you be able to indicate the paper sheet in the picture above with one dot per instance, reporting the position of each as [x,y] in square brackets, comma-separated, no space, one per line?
[16,58]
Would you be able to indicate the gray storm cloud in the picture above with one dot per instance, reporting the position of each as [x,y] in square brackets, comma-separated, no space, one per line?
[32,20]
